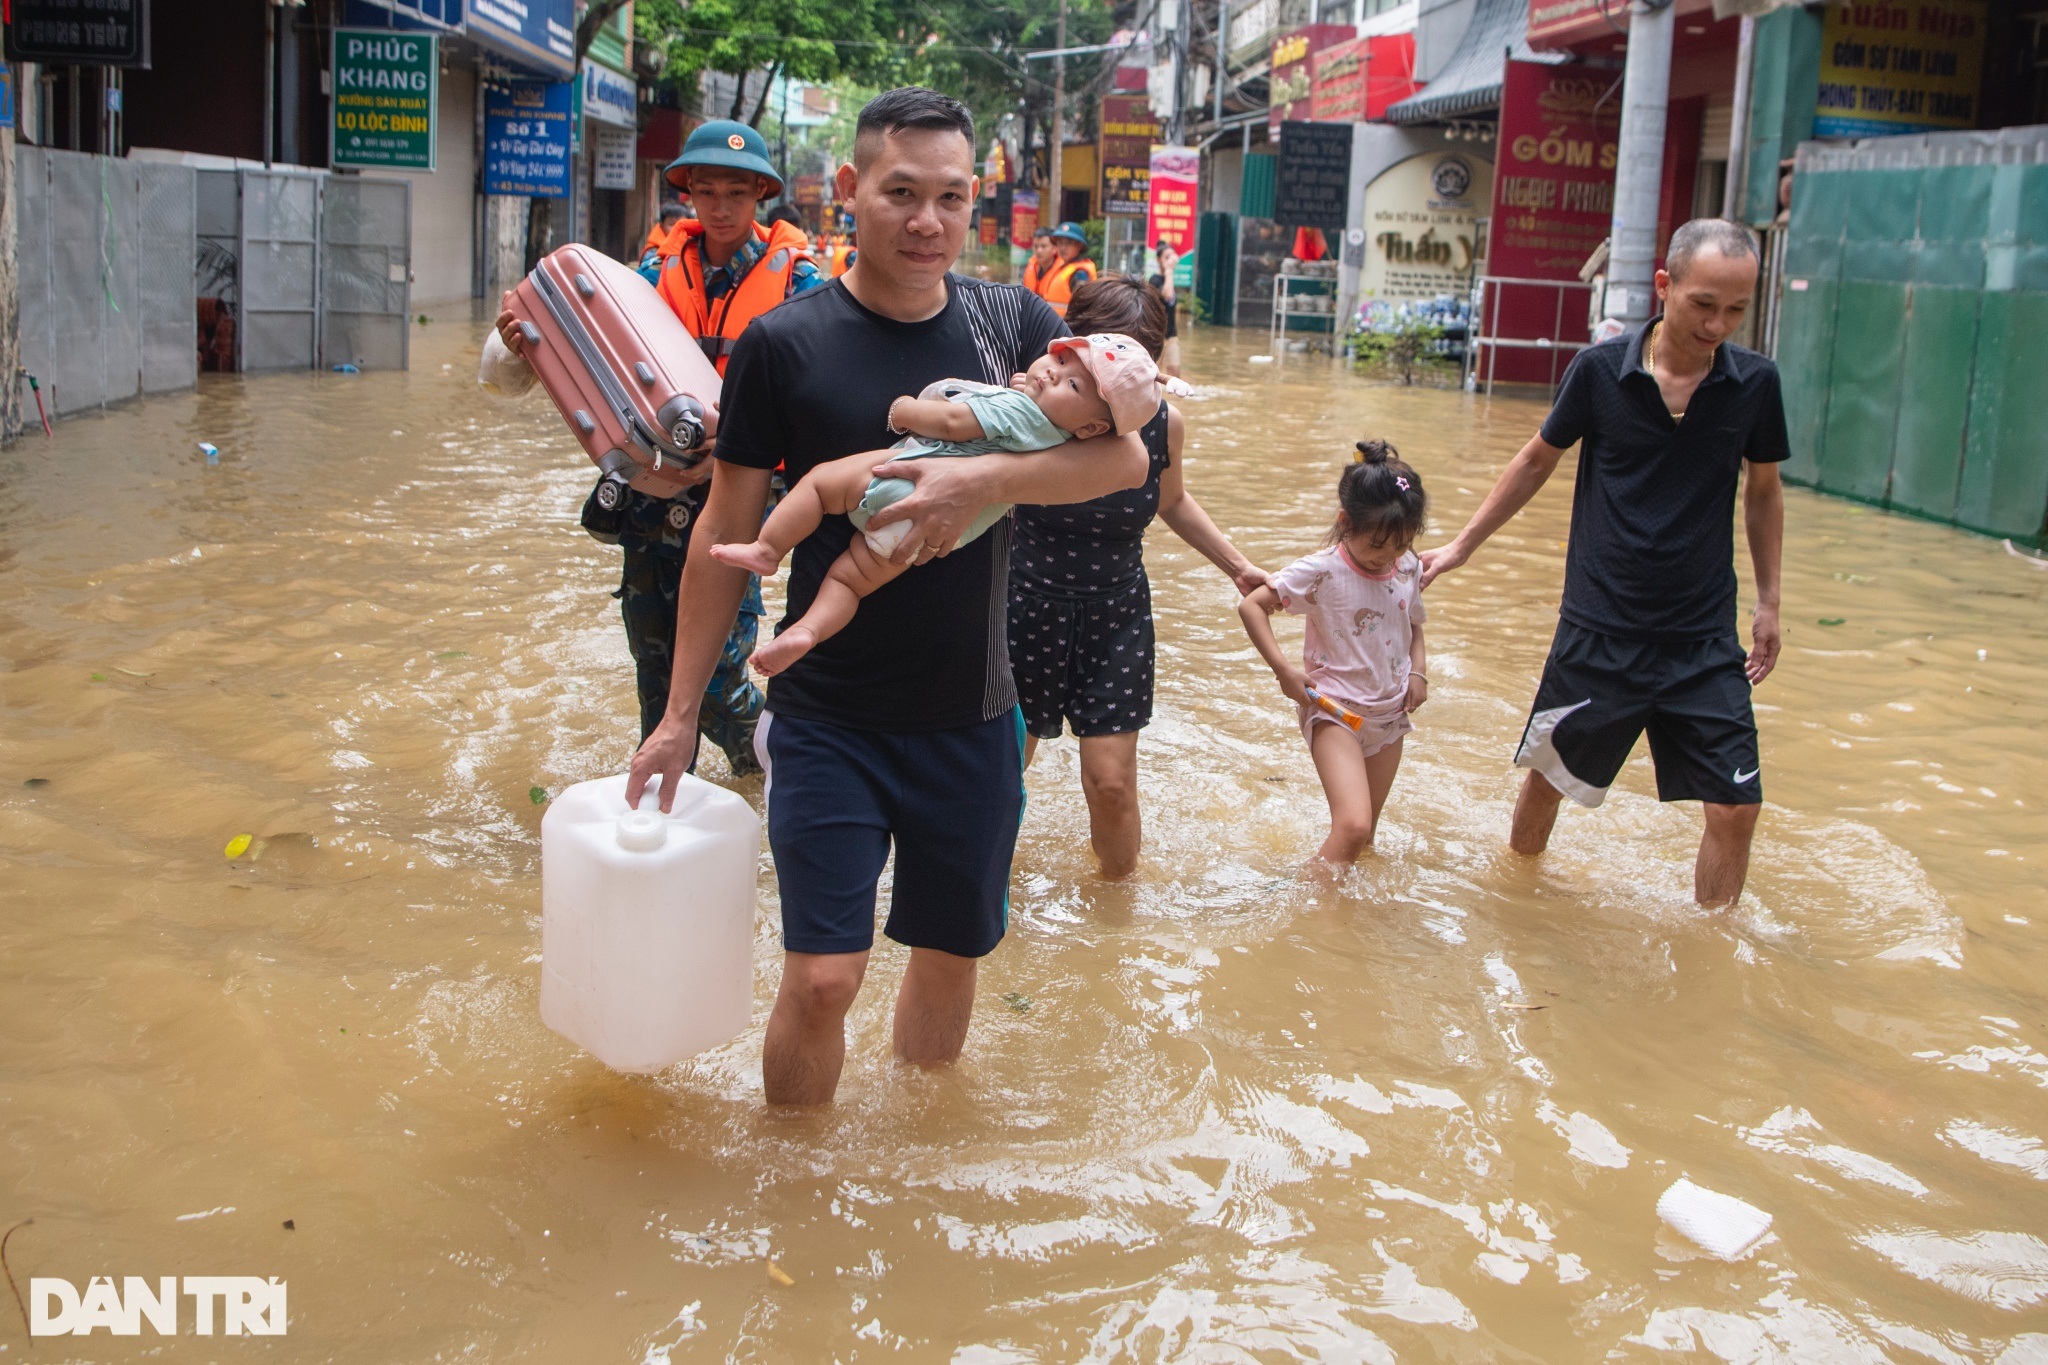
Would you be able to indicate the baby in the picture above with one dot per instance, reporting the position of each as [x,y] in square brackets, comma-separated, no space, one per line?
[1080,387]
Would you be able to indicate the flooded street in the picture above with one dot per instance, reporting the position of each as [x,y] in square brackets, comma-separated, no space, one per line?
[1216,1113]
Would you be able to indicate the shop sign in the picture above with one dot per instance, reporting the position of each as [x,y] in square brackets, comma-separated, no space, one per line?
[526,139]
[1892,68]
[540,32]
[1553,191]
[1172,185]
[1291,85]
[1338,94]
[1129,128]
[608,97]
[6,97]
[1560,23]
[1023,217]
[1251,27]
[994,227]
[1421,225]
[386,87]
[1314,176]
[611,158]
[79,32]
[808,191]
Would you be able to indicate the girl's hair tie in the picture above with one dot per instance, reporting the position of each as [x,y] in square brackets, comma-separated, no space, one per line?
[1401,483]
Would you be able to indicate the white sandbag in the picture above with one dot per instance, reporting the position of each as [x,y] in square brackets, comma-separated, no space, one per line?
[1720,1224]
[502,373]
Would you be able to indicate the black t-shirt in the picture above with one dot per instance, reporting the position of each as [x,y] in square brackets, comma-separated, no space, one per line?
[812,381]
[1652,541]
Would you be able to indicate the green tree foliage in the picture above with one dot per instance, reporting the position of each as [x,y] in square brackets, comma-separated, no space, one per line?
[971,49]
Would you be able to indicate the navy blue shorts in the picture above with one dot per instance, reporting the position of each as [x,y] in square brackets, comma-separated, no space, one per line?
[950,801]
[1599,694]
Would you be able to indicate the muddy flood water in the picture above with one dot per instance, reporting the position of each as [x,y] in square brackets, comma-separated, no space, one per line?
[1213,1114]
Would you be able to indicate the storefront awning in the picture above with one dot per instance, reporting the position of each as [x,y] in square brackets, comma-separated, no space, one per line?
[1470,81]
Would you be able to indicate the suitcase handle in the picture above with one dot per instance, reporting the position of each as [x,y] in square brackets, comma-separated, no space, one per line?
[653,442]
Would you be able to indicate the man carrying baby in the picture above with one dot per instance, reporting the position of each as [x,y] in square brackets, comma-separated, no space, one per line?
[1080,387]
[902,728]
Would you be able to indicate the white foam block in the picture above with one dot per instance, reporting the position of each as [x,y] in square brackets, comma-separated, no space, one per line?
[1718,1223]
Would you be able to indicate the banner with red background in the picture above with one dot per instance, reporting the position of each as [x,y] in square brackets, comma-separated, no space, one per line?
[1553,203]
[1291,82]
[1176,179]
[1354,82]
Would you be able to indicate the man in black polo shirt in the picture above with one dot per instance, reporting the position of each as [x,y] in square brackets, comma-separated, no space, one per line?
[1671,417]
[903,728]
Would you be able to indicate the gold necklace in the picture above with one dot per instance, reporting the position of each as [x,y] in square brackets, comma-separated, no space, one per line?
[1650,353]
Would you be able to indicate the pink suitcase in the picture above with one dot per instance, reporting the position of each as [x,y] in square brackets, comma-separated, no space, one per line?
[630,380]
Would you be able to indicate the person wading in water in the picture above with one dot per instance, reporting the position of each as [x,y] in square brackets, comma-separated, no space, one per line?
[1672,418]
[901,729]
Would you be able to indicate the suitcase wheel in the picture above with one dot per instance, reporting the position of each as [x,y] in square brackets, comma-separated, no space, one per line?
[678,515]
[611,493]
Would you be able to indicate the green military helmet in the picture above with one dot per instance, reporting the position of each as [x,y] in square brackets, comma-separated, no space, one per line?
[1069,232]
[728,143]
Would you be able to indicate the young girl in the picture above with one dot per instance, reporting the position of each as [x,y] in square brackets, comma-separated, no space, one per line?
[1364,656]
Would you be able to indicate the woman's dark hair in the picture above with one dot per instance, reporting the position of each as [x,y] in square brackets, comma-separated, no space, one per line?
[1120,303]
[1379,495]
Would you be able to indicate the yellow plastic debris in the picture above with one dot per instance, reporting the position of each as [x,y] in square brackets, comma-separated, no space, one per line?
[238,845]
[779,1275]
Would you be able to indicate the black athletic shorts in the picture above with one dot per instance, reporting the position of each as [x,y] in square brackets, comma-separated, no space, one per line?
[950,801]
[1600,692]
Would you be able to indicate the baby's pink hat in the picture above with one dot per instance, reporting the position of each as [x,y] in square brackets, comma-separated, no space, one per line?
[1124,374]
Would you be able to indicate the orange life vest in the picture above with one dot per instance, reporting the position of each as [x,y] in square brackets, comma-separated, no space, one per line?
[842,259]
[718,325]
[1058,287]
[1031,273]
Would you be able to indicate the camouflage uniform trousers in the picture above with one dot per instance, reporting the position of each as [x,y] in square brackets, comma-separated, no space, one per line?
[732,703]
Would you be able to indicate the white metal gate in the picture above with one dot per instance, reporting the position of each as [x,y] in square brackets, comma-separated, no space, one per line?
[365,271]
[278,246]
[106,288]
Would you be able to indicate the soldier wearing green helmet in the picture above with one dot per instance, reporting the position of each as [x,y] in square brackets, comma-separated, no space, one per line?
[718,271]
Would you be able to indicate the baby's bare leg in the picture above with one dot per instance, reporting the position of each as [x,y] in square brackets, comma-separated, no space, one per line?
[855,574]
[835,487]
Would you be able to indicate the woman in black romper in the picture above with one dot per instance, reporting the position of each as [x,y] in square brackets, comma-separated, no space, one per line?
[1081,606]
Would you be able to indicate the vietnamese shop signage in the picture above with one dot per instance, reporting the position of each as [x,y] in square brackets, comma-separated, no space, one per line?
[1890,68]
[608,97]
[541,31]
[79,32]
[1175,178]
[1421,221]
[1291,86]
[611,158]
[1314,176]
[1553,193]
[1023,217]
[385,85]
[1129,128]
[526,139]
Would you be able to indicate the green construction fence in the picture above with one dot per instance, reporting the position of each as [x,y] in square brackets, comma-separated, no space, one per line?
[1913,331]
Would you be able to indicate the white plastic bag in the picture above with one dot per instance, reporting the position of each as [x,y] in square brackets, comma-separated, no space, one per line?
[503,373]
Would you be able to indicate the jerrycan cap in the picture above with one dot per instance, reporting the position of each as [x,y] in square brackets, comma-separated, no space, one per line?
[642,831]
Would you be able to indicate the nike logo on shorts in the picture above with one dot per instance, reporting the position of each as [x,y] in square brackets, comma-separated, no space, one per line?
[1741,776]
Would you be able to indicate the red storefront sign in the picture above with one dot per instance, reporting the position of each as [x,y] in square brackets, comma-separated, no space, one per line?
[1176,179]
[1291,85]
[1565,23]
[1553,202]
[1354,82]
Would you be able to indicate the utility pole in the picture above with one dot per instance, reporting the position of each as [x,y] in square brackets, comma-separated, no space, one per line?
[1176,127]
[1639,176]
[1059,120]
[1222,55]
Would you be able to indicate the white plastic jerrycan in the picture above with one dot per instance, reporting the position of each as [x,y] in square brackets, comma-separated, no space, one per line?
[647,921]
